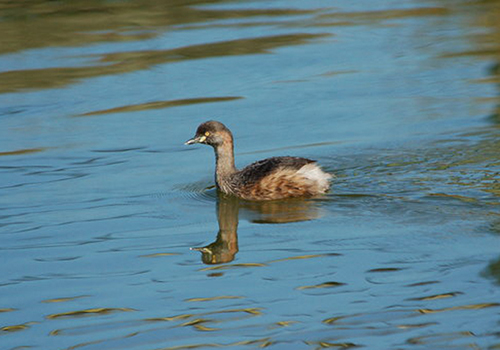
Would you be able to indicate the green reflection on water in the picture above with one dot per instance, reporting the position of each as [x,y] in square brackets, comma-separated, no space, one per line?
[42,24]
[36,24]
[119,63]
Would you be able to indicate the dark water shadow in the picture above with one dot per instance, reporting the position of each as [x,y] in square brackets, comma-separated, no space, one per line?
[229,209]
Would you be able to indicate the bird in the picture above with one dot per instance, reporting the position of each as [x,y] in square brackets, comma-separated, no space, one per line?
[273,178]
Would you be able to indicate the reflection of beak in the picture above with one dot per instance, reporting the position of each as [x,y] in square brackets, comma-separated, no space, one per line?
[199,139]
[201,249]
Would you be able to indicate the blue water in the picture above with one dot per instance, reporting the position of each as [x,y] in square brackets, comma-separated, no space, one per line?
[113,236]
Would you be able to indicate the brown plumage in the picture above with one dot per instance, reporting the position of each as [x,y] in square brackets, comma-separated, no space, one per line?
[272,178]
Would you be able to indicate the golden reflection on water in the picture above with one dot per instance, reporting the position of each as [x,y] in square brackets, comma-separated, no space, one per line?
[22,151]
[460,307]
[7,309]
[64,300]
[322,285]
[160,104]
[16,328]
[88,312]
[219,297]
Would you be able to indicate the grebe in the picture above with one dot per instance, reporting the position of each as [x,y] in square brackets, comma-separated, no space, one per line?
[267,179]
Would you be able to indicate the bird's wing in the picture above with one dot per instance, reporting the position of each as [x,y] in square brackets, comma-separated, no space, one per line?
[260,169]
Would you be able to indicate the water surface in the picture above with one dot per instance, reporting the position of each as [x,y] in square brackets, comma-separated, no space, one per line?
[114,237]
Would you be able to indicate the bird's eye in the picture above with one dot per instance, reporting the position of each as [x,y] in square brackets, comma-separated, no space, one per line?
[207,133]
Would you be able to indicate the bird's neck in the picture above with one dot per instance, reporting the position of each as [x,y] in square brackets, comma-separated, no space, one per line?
[224,159]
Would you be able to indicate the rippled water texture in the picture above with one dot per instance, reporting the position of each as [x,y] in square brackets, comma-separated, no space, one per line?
[113,236]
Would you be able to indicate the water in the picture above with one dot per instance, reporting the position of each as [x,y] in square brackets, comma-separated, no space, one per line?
[114,238]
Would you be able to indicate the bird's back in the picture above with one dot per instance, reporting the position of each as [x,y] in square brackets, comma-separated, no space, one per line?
[256,171]
[280,177]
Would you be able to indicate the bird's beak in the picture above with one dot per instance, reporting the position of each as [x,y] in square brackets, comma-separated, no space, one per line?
[199,139]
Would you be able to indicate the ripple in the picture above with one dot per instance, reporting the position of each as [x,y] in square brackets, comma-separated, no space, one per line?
[441,340]
[76,276]
[201,191]
[61,258]
[120,150]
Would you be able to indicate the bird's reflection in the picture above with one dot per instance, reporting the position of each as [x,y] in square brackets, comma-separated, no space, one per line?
[225,246]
